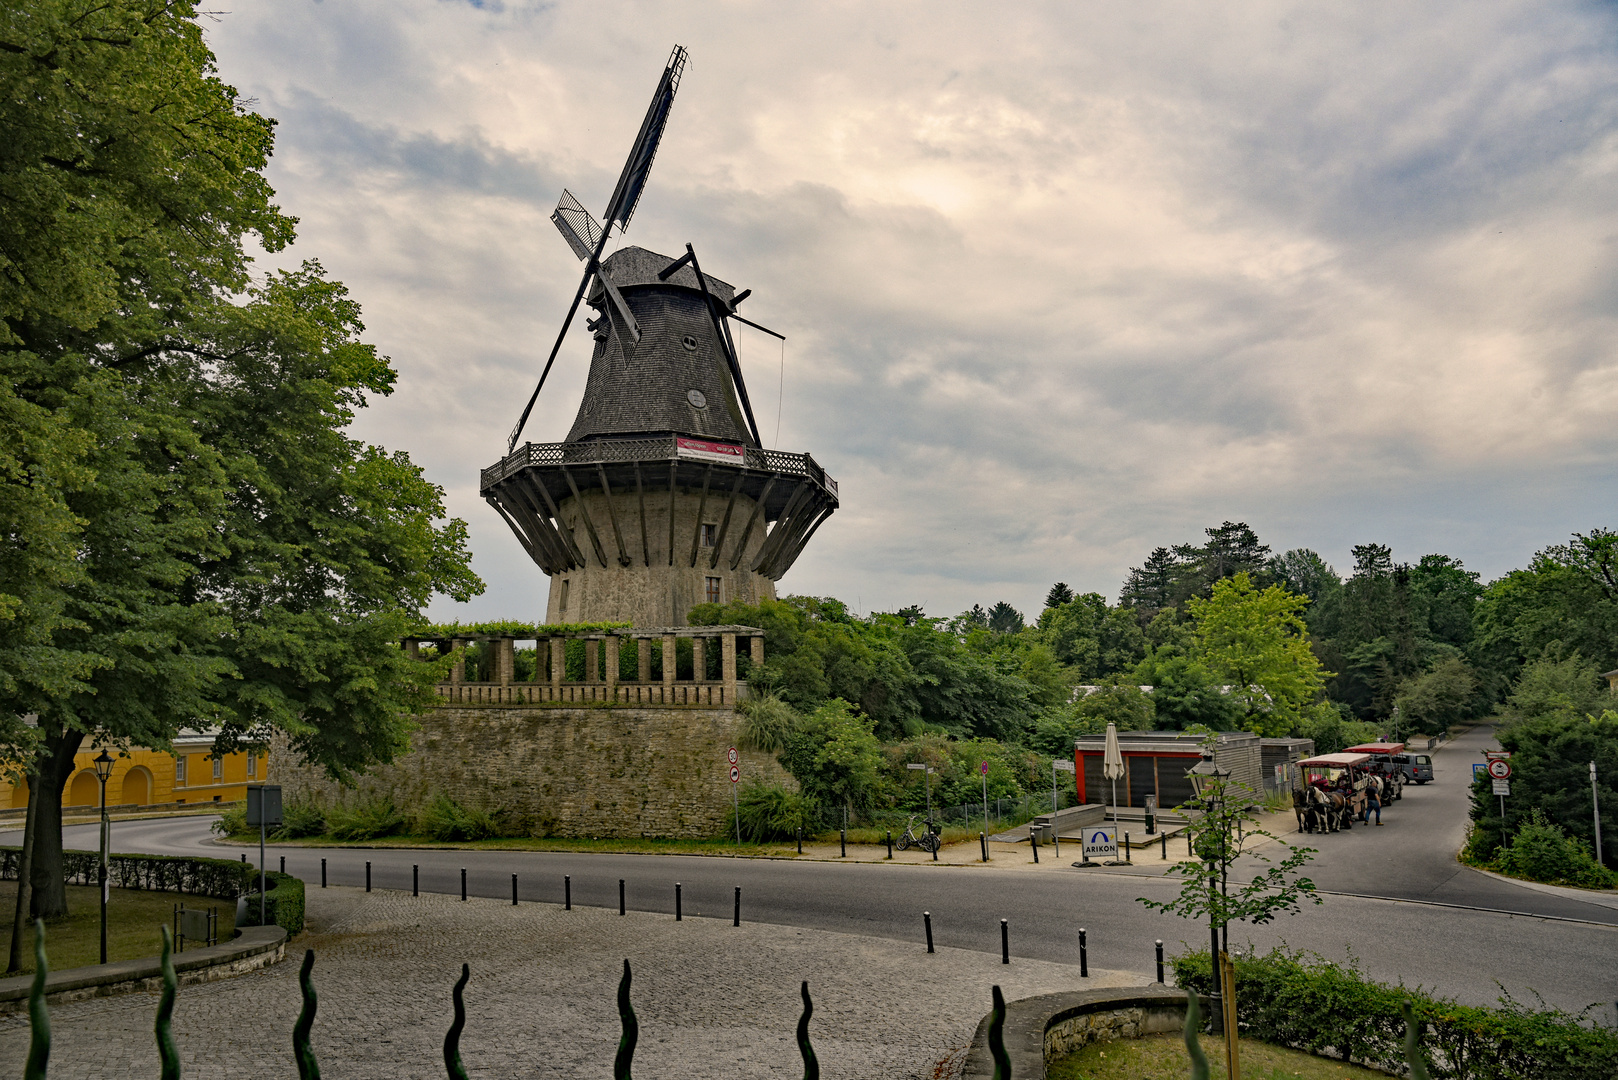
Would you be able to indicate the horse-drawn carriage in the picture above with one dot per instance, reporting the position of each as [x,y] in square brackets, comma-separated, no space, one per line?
[1331,791]
[1386,766]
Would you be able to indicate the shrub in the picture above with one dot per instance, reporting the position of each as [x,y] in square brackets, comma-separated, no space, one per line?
[366,819]
[300,819]
[232,821]
[1309,1003]
[223,878]
[444,819]
[771,812]
[283,904]
[1540,851]
[766,722]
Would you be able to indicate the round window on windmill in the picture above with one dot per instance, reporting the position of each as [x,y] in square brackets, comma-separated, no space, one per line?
[640,472]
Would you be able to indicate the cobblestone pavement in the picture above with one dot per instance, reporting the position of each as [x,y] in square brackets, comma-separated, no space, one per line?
[713,1000]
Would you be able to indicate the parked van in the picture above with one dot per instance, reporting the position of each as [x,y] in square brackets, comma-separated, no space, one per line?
[1418,768]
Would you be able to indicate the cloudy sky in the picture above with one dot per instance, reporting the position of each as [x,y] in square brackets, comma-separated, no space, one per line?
[1060,283]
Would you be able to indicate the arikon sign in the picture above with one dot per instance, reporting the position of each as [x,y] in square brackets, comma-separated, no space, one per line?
[702,450]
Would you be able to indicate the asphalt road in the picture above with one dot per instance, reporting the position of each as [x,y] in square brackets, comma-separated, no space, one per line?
[1408,932]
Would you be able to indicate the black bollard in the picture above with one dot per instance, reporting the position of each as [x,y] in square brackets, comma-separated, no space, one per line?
[283,864]
[1033,843]
[567,892]
[1160,960]
[800,839]
[322,873]
[1005,943]
[737,919]
[983,841]
[927,920]
[842,842]
[244,856]
[463,884]
[1165,847]
[513,890]
[1127,859]
[676,901]
[367,875]
[1084,955]
[415,880]
[890,843]
[620,896]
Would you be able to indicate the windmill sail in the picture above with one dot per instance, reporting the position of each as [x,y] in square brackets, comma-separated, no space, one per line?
[576,225]
[639,165]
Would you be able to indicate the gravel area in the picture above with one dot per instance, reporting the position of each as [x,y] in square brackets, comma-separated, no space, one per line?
[713,1000]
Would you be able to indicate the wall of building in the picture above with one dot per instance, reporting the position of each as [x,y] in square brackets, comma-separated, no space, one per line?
[563,770]
[142,777]
[659,594]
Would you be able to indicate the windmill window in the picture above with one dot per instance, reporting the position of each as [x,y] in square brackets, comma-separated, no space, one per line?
[709,533]
[697,399]
[561,601]
[713,590]
[689,342]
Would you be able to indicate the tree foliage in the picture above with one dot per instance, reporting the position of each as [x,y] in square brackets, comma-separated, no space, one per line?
[1255,641]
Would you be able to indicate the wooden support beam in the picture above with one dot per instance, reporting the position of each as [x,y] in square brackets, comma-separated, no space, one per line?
[696,531]
[584,515]
[612,514]
[640,497]
[783,525]
[562,531]
[523,502]
[795,548]
[724,523]
[534,551]
[752,519]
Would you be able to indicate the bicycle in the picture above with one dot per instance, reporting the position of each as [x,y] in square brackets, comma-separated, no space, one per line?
[929,840]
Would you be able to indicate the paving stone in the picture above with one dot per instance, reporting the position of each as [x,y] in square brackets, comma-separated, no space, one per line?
[713,1000]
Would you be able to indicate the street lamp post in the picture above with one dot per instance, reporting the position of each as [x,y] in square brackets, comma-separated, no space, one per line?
[103,765]
[1208,779]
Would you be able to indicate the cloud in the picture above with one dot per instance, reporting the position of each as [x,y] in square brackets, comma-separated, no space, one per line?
[1060,283]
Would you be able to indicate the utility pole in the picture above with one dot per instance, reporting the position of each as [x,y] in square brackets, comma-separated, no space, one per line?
[1595,805]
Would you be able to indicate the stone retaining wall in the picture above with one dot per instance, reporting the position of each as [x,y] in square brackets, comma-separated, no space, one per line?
[1038,1029]
[570,771]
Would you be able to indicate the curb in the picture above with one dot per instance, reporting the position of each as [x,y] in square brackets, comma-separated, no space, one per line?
[1031,1024]
[255,947]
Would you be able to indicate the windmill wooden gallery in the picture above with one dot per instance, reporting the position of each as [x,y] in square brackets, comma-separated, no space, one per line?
[661,497]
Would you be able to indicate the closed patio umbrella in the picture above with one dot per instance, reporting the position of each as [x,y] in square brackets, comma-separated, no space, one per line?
[1112,766]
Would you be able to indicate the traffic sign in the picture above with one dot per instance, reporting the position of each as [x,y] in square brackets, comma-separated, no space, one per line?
[1502,787]
[1478,769]
[735,775]
[984,768]
[732,755]
[1500,769]
[1100,843]
[1063,764]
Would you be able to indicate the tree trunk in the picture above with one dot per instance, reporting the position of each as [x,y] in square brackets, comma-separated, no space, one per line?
[48,873]
[19,921]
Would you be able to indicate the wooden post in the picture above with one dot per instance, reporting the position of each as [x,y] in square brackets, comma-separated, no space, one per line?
[727,666]
[670,658]
[643,666]
[699,660]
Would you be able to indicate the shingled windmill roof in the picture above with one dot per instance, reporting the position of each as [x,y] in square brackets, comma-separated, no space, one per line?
[675,379]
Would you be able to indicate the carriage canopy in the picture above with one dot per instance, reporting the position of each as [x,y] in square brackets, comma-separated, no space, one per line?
[1329,767]
[1377,748]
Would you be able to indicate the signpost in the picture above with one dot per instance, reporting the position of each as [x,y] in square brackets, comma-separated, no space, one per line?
[264,810]
[1500,772]
[735,801]
[1101,842]
[984,771]
[1058,765]
[1595,804]
[921,766]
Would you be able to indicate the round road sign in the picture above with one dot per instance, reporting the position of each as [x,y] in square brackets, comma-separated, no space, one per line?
[984,768]
[1500,769]
[732,755]
[735,775]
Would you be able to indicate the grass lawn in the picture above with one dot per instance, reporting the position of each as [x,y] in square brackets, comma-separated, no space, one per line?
[134,918]
[1163,1057]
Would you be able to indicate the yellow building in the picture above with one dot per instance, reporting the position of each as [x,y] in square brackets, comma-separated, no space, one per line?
[140,777]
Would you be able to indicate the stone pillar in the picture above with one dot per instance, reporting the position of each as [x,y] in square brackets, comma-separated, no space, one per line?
[457,673]
[412,648]
[699,660]
[670,658]
[727,666]
[592,660]
[506,651]
[611,647]
[558,649]
[758,649]
[643,666]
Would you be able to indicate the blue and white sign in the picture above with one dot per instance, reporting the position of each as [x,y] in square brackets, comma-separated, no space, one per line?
[1100,842]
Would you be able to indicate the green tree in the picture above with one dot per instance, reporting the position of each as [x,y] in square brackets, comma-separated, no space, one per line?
[1060,594]
[1254,640]
[1005,619]
[1434,700]
[1185,692]
[239,562]
[835,758]
[1563,602]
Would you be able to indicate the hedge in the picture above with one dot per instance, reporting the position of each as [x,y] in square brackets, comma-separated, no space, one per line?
[220,878]
[283,903]
[1309,1003]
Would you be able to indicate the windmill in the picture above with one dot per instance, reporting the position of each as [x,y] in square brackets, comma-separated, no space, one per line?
[662,495]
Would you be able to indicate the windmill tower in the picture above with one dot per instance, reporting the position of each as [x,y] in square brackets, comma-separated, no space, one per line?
[662,496]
